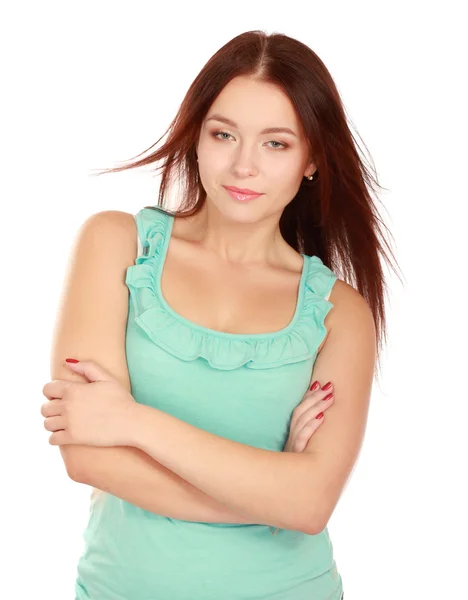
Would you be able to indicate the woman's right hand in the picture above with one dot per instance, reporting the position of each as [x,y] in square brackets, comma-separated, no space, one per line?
[304,422]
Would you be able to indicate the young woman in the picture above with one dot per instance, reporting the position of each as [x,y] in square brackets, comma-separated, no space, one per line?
[220,375]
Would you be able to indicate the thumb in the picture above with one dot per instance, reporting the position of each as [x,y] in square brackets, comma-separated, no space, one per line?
[91,370]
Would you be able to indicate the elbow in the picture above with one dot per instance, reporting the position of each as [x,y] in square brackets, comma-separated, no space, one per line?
[306,525]
[312,528]
[309,528]
[315,528]
[315,523]
[73,463]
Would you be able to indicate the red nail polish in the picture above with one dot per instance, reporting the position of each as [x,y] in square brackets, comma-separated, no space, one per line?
[327,386]
[314,386]
[71,360]
[319,416]
[328,396]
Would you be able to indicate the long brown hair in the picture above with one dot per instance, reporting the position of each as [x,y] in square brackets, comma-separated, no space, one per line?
[333,216]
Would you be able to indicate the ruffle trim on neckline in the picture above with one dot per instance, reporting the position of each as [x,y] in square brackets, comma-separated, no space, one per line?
[188,341]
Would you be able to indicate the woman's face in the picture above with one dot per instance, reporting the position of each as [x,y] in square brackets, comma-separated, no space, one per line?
[238,153]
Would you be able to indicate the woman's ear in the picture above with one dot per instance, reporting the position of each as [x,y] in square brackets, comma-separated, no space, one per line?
[310,169]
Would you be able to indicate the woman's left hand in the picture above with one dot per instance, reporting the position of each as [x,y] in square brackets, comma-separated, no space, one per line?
[95,413]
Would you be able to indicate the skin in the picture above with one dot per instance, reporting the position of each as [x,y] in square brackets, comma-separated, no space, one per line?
[248,233]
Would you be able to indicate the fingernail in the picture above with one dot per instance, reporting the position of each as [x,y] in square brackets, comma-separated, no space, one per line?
[327,386]
[328,396]
[315,386]
[319,416]
[71,360]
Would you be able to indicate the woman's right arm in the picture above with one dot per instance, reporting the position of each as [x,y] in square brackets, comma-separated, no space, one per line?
[91,324]
[132,475]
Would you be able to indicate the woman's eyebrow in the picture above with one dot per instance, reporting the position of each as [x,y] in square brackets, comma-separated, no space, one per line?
[267,130]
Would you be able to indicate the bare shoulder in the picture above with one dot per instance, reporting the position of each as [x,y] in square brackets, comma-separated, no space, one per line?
[110,236]
[350,310]
[111,222]
[348,305]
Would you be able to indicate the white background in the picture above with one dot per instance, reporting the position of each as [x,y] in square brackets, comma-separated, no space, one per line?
[88,84]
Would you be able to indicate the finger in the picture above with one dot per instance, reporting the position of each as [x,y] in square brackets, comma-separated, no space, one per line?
[90,370]
[312,412]
[60,438]
[306,433]
[56,388]
[52,408]
[54,423]
[309,400]
[303,435]
[319,392]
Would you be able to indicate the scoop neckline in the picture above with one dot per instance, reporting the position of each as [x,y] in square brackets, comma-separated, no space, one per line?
[214,332]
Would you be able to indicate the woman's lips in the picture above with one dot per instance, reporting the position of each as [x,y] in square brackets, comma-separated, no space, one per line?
[242,197]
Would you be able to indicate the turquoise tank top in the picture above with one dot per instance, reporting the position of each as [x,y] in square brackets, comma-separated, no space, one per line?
[243,387]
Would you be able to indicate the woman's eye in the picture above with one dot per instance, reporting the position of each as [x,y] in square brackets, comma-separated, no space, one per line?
[280,147]
[220,133]
[281,144]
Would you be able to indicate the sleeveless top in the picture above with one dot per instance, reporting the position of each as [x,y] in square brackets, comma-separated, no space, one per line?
[243,387]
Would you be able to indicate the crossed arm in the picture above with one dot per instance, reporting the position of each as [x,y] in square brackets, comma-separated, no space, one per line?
[133,476]
[261,485]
